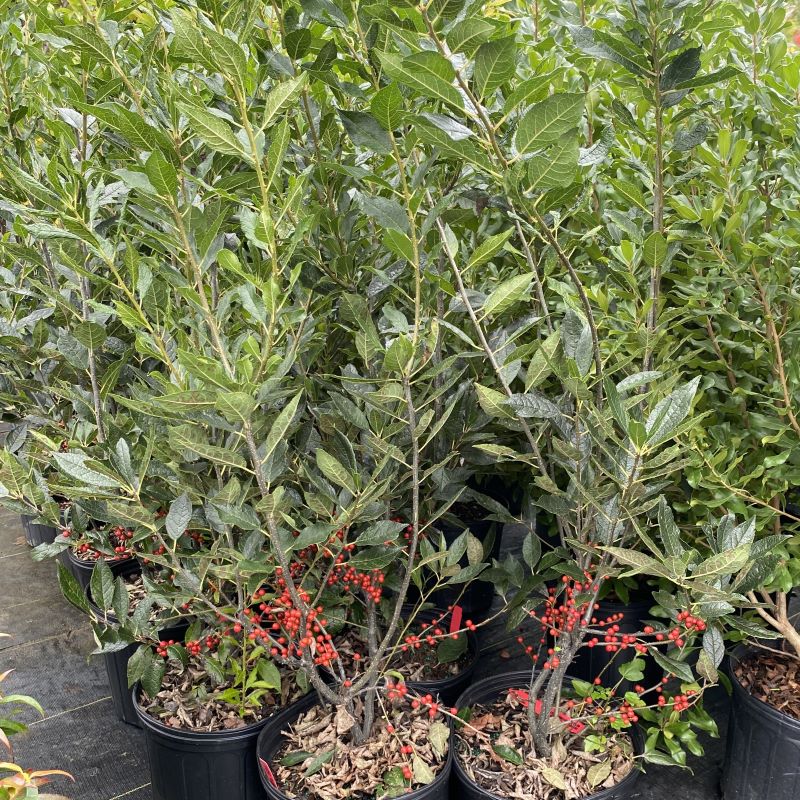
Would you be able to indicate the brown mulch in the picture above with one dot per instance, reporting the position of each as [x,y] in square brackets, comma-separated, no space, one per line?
[500,730]
[189,700]
[773,678]
[368,770]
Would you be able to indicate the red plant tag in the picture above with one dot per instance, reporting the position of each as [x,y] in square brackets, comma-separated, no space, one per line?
[265,768]
[455,619]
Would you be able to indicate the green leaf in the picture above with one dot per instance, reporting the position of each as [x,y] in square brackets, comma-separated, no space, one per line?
[495,63]
[546,123]
[726,563]
[294,758]
[449,649]
[399,355]
[682,68]
[671,665]
[400,245]
[507,294]
[542,361]
[87,40]
[533,404]
[602,45]
[280,96]
[326,12]
[386,106]
[101,585]
[71,589]
[655,249]
[670,534]
[153,675]
[318,763]
[555,168]
[162,174]
[670,412]
[179,516]
[213,130]
[531,550]
[459,149]
[335,471]
[509,754]
[467,35]
[379,532]
[269,674]
[228,57]
[90,334]
[427,73]
[714,645]
[493,402]
[73,464]
[280,427]
[489,248]
[631,193]
[317,533]
[138,664]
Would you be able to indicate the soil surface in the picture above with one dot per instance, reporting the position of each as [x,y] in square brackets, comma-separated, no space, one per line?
[495,750]
[773,678]
[189,700]
[319,762]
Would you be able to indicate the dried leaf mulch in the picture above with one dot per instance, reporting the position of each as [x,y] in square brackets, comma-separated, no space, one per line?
[773,678]
[495,750]
[319,762]
[189,700]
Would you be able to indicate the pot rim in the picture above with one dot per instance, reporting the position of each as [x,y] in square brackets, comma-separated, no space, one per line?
[521,679]
[757,706]
[442,777]
[89,565]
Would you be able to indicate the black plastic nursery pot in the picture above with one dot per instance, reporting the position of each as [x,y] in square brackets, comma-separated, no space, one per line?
[117,662]
[270,741]
[36,533]
[82,570]
[762,761]
[592,662]
[489,689]
[202,765]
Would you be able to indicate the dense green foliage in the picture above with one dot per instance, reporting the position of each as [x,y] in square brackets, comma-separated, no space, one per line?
[274,271]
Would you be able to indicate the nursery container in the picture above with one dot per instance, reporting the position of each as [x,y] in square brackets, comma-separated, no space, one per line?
[489,689]
[270,741]
[762,761]
[36,533]
[593,661]
[82,570]
[202,765]
[117,662]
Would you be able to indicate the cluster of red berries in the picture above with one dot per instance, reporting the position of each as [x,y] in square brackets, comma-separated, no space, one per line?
[193,648]
[626,714]
[161,647]
[119,537]
[398,691]
[370,583]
